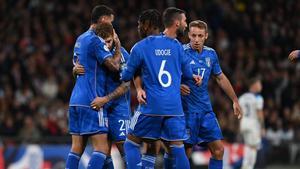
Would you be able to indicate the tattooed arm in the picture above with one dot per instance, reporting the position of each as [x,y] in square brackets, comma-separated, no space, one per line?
[113,63]
[98,102]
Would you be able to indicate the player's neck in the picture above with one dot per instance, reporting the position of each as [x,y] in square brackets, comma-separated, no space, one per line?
[197,50]
[169,32]
[155,32]
[93,26]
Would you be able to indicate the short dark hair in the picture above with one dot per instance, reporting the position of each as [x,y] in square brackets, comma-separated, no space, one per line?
[199,24]
[253,80]
[170,15]
[104,30]
[152,16]
[100,10]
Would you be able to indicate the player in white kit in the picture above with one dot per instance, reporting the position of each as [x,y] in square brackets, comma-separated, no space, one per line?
[252,123]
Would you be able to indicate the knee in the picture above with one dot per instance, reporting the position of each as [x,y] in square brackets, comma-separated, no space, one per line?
[151,149]
[120,146]
[218,152]
[77,148]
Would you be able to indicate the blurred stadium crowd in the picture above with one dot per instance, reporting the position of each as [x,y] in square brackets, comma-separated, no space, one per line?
[251,38]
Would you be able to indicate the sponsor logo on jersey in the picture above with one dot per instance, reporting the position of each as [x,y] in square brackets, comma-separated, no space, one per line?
[122,134]
[192,62]
[207,61]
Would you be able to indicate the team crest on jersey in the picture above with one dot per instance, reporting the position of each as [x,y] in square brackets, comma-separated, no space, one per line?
[106,48]
[207,61]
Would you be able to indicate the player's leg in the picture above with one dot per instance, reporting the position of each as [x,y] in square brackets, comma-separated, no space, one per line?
[94,124]
[108,164]
[149,157]
[132,145]
[78,142]
[188,150]
[174,132]
[217,150]
[118,129]
[78,146]
[100,150]
[252,141]
[210,133]
[141,127]
[132,152]
[249,157]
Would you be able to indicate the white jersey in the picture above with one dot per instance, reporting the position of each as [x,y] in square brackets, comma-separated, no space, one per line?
[250,126]
[250,104]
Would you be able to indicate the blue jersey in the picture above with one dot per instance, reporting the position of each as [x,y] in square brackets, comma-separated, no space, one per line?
[203,64]
[162,61]
[113,81]
[91,52]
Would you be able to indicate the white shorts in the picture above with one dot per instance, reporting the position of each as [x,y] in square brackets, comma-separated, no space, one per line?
[251,132]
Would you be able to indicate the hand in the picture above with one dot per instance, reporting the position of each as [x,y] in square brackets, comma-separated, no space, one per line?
[117,40]
[141,96]
[197,79]
[294,55]
[98,102]
[184,90]
[237,110]
[78,69]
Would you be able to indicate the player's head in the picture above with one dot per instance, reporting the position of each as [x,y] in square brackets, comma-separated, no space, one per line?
[149,22]
[106,32]
[198,33]
[174,17]
[255,85]
[102,13]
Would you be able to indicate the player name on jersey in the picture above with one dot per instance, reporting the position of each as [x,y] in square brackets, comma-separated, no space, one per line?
[163,52]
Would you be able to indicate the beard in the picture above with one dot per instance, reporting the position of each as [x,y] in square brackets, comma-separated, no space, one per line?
[180,31]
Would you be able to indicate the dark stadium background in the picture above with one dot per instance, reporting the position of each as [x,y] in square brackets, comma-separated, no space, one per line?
[251,38]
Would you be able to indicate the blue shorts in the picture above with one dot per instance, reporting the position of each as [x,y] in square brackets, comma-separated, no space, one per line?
[118,123]
[169,128]
[87,121]
[202,128]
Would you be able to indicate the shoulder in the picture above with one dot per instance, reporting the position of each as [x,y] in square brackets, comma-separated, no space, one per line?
[186,47]
[123,50]
[212,52]
[209,50]
[259,98]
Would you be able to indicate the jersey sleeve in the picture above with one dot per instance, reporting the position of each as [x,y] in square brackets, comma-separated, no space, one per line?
[75,52]
[132,65]
[101,50]
[186,68]
[125,55]
[216,68]
[259,102]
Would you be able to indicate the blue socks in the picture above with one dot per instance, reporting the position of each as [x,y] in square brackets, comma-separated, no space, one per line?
[180,158]
[148,161]
[133,155]
[108,164]
[168,161]
[215,164]
[72,161]
[97,160]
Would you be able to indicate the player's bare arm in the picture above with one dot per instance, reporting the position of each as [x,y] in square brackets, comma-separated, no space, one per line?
[78,69]
[225,84]
[99,102]
[294,55]
[113,63]
[141,94]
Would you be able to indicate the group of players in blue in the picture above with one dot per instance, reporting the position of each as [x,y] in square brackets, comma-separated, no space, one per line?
[171,82]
